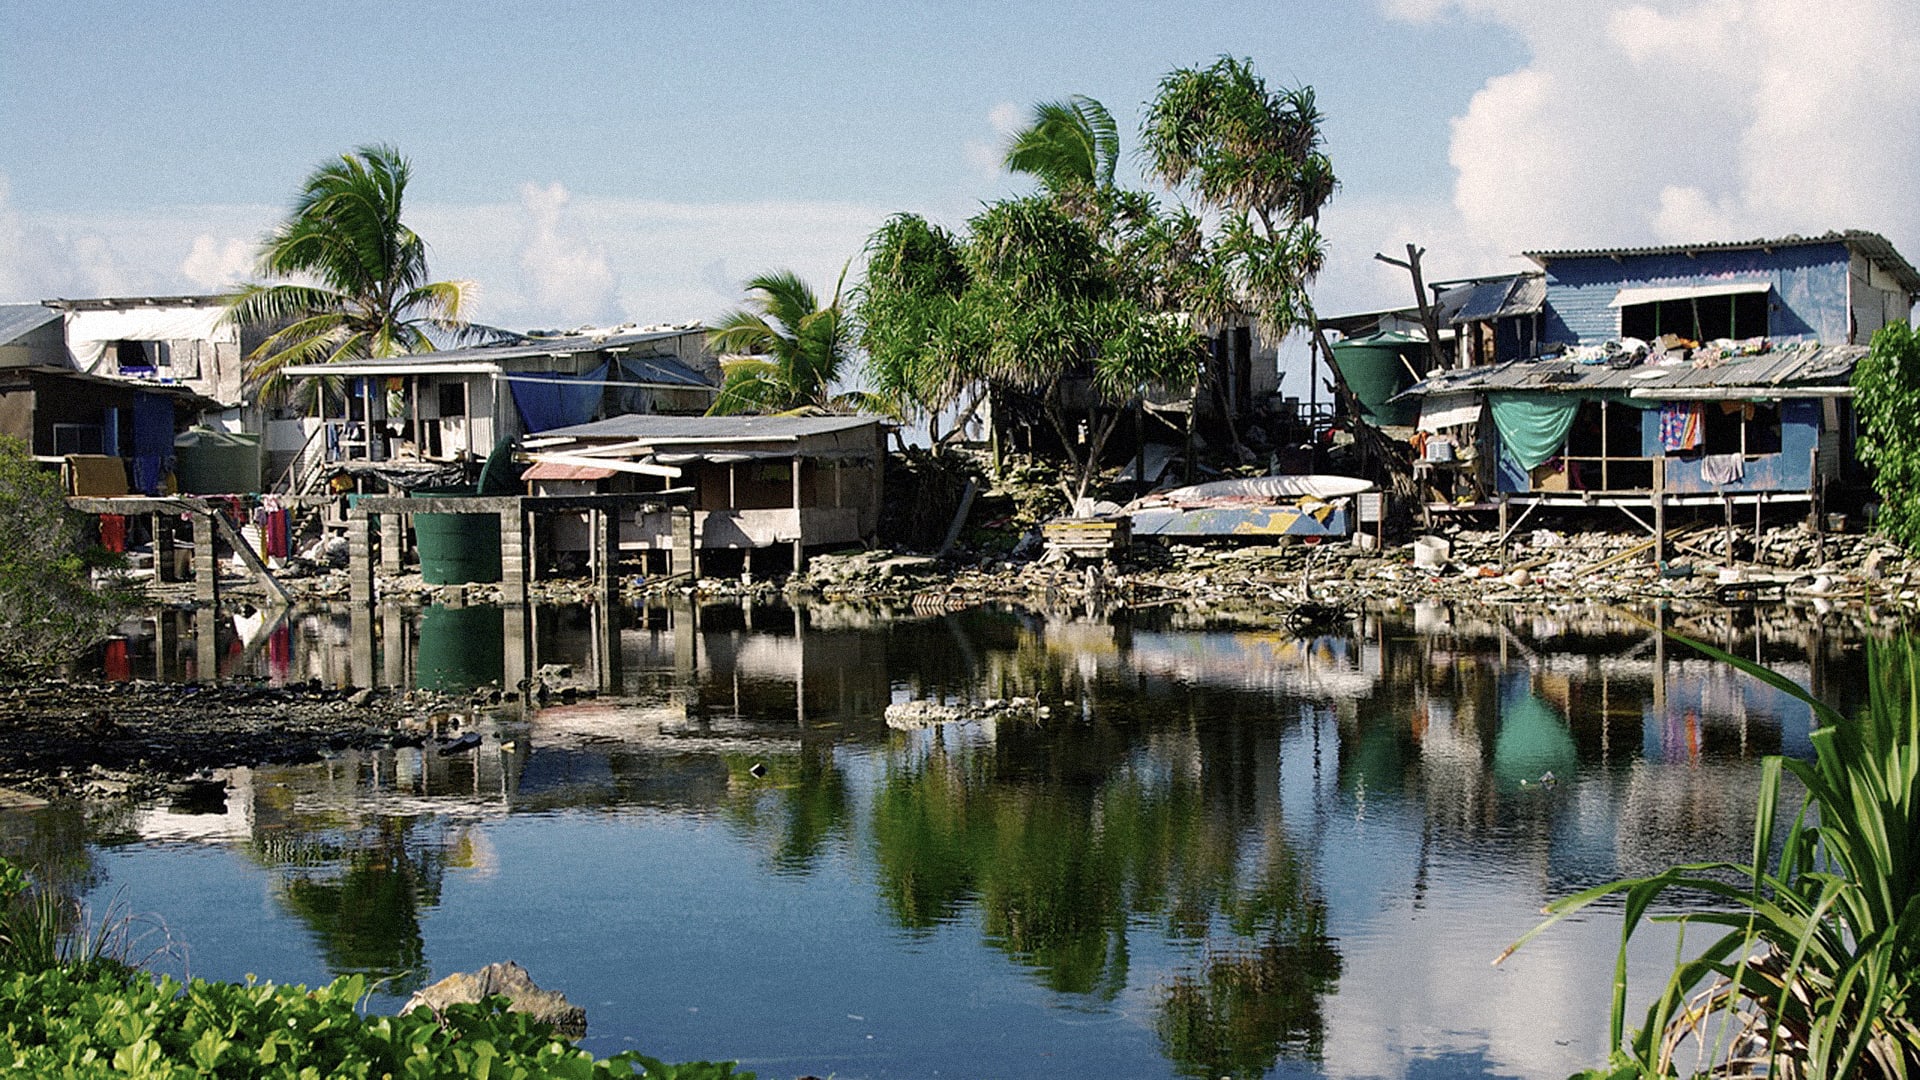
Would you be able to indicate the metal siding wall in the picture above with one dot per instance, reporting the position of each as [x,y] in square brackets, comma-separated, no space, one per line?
[1809,289]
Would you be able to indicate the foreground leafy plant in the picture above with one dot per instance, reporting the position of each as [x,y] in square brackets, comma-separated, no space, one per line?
[58,1023]
[1813,972]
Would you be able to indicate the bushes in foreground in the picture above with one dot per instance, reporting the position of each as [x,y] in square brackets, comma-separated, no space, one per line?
[71,1007]
[55,1023]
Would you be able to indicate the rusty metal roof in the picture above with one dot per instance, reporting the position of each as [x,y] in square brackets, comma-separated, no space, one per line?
[1794,364]
[554,470]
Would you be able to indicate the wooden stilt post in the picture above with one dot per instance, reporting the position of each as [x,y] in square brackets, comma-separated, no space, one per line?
[1660,512]
[1505,512]
[1727,501]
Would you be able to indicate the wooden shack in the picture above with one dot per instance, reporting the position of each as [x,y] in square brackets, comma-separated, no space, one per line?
[759,483]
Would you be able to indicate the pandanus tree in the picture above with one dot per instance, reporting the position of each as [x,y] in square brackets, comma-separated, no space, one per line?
[358,284]
[781,352]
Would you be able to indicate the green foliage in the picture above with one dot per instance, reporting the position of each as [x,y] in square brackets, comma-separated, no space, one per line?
[1254,158]
[787,349]
[911,322]
[360,284]
[49,610]
[1069,144]
[1887,399]
[1812,972]
[60,1024]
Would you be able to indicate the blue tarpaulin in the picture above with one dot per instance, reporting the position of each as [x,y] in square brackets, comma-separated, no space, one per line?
[152,441]
[552,399]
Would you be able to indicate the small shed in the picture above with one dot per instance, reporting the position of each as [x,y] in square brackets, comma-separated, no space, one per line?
[759,482]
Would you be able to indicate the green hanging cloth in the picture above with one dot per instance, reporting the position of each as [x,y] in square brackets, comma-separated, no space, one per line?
[1533,427]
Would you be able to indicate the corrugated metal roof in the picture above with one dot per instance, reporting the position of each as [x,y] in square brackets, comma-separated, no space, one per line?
[1871,244]
[554,346]
[1495,298]
[18,320]
[663,430]
[1794,364]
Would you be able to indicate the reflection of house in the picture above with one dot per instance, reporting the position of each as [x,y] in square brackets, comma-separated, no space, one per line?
[759,481]
[459,403]
[120,428]
[1673,374]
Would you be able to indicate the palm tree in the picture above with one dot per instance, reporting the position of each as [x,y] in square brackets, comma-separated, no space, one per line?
[1070,146]
[360,285]
[782,351]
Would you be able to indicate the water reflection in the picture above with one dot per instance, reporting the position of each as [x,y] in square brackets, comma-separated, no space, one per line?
[1263,854]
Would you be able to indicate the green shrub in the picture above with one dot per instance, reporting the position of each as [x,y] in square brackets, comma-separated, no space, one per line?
[71,1007]
[59,1024]
[1813,971]
[49,610]
[1886,400]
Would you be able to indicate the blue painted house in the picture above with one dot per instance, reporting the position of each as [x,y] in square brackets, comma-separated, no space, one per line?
[1681,374]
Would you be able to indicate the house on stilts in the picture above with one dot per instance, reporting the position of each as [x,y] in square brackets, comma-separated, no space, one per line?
[1643,379]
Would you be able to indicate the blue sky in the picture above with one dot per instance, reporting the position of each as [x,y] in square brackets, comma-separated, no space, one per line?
[608,162]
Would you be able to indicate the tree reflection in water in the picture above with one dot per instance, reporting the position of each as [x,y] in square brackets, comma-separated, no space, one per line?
[361,894]
[1060,872]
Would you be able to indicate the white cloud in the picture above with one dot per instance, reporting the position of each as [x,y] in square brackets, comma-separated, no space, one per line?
[168,250]
[647,261]
[214,264]
[1669,121]
[565,273]
[984,155]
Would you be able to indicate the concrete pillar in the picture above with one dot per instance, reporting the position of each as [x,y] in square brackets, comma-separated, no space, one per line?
[163,547]
[392,542]
[166,642]
[360,643]
[513,556]
[604,529]
[360,589]
[206,568]
[517,634]
[393,642]
[206,644]
[684,553]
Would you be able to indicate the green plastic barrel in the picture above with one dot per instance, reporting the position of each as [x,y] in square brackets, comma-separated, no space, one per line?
[460,648]
[1374,369]
[456,549]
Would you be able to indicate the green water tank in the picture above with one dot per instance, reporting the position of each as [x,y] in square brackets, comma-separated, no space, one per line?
[208,461]
[460,648]
[1375,367]
[456,549]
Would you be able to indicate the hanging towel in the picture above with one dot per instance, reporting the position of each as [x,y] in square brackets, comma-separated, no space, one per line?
[1680,423]
[113,532]
[1723,469]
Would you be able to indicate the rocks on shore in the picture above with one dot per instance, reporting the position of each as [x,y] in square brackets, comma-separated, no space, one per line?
[503,979]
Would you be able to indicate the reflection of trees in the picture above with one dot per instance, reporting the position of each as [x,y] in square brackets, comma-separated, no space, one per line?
[799,804]
[361,894]
[1245,1007]
[1060,870]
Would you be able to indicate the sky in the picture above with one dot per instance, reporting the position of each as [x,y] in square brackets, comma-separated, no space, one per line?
[594,163]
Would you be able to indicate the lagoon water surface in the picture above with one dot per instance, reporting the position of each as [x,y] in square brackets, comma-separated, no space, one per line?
[1210,851]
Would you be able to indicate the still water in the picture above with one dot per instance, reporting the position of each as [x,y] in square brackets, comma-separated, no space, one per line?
[1220,851]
